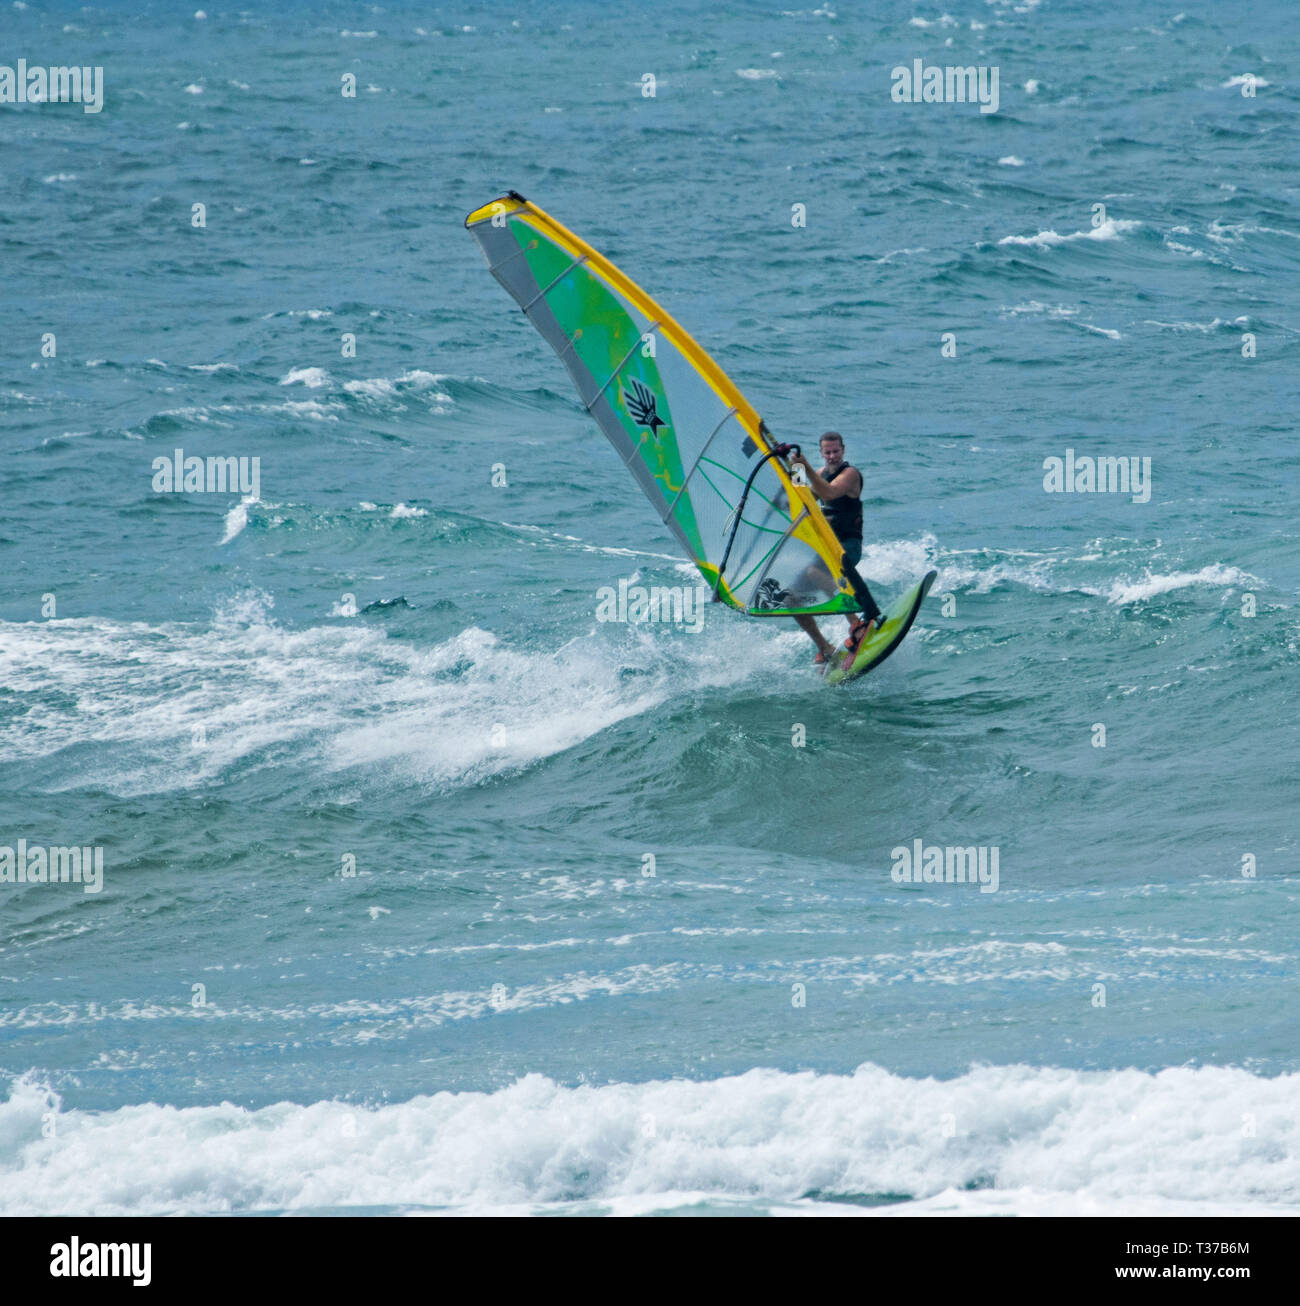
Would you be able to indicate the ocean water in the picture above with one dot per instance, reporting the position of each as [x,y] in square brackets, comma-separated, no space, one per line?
[378,795]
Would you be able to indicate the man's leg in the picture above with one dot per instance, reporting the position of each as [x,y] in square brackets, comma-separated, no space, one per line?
[815,576]
[810,628]
[871,618]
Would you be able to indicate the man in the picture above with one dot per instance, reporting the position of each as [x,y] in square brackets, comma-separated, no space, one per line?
[839,487]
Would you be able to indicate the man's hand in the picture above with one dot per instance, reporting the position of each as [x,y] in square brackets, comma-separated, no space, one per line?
[798,460]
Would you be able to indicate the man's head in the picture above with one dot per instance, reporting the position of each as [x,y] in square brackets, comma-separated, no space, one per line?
[832,445]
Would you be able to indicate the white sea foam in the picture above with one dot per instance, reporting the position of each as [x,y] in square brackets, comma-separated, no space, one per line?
[1232,233]
[957,573]
[310,408]
[1134,591]
[361,1018]
[891,563]
[1062,312]
[1111,229]
[893,253]
[375,388]
[418,379]
[1204,327]
[1178,247]
[237,518]
[312,377]
[337,698]
[381,387]
[612,551]
[1027,1140]
[344,699]
[895,561]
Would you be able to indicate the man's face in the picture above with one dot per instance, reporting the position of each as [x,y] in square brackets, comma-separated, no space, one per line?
[833,451]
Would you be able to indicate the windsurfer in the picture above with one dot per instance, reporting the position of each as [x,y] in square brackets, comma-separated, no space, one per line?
[839,487]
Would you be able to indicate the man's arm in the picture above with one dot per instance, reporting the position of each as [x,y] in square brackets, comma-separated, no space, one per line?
[828,490]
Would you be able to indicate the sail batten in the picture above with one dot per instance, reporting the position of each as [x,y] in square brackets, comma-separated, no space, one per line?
[649,331]
[683,429]
[541,294]
[699,458]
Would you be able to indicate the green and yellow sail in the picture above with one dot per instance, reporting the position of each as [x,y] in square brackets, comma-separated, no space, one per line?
[688,436]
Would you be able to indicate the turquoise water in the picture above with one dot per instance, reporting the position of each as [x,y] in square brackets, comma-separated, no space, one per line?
[386,657]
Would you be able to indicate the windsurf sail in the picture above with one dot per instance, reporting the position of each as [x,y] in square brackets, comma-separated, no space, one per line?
[695,445]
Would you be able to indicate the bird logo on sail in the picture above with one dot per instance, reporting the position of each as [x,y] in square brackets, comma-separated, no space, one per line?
[772,594]
[639,400]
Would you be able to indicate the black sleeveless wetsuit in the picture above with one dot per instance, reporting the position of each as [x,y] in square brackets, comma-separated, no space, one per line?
[845,517]
[844,513]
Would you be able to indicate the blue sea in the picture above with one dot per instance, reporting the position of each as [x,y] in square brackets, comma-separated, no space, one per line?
[424,890]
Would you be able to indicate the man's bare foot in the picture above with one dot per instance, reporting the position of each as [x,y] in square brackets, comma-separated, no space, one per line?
[859,631]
